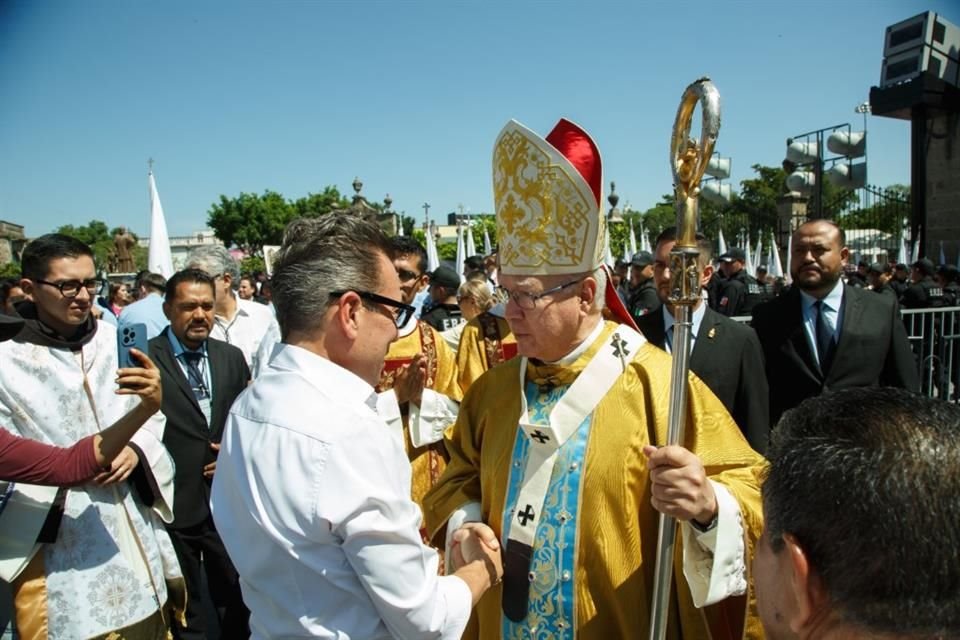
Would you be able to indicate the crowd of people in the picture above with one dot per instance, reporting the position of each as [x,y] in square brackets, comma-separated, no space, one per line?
[361,447]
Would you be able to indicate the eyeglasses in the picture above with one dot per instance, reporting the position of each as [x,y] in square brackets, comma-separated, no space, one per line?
[406,275]
[528,301]
[400,312]
[71,288]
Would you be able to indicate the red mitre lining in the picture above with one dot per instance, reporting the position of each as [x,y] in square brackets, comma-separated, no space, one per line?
[577,147]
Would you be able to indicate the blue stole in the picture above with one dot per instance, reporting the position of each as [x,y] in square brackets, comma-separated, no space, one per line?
[551,606]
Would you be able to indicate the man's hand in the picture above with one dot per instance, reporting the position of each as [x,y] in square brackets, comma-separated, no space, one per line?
[120,469]
[477,541]
[142,381]
[408,385]
[679,484]
[210,468]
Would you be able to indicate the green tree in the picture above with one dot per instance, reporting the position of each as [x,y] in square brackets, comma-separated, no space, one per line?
[318,204]
[250,221]
[99,238]
[10,270]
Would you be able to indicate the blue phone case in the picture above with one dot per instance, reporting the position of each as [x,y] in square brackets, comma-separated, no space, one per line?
[131,336]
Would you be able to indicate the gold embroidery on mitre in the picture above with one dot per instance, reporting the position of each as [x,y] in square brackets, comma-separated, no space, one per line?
[548,221]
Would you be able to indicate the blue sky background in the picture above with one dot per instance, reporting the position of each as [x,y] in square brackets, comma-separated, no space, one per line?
[409,96]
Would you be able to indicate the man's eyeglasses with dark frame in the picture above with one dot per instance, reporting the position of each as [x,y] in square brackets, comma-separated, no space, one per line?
[406,275]
[528,301]
[403,311]
[71,288]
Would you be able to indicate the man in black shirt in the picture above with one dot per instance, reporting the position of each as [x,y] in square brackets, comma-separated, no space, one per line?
[641,293]
[444,311]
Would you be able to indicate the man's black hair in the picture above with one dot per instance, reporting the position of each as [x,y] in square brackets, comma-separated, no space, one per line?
[868,482]
[37,255]
[408,246]
[187,275]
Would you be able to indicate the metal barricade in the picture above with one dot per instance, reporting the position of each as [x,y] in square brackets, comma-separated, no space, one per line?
[934,335]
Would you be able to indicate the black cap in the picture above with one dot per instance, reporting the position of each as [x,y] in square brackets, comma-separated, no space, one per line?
[879,267]
[641,259]
[734,254]
[9,326]
[925,266]
[445,277]
[900,266]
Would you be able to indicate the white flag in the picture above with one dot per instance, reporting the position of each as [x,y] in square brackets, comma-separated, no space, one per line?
[433,260]
[159,259]
[775,266]
[471,246]
[722,244]
[943,256]
[607,255]
[461,249]
[633,240]
[487,247]
[758,253]
[748,263]
[787,274]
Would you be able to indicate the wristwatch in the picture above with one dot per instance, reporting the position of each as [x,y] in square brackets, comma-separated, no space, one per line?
[704,528]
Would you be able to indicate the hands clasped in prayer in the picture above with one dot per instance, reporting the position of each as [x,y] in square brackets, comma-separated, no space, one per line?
[410,379]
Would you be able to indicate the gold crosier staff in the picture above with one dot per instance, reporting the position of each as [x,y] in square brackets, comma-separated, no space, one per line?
[688,159]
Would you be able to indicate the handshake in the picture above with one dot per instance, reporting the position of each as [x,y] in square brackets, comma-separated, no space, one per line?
[475,549]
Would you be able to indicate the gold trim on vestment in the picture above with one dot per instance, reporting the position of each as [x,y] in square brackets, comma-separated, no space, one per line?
[30,600]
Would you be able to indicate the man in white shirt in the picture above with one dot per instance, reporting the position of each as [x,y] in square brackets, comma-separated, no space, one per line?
[243,323]
[312,490]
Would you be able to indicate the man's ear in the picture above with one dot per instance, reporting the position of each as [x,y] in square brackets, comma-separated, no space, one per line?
[845,255]
[588,291]
[347,315]
[166,309]
[706,274]
[807,589]
[27,285]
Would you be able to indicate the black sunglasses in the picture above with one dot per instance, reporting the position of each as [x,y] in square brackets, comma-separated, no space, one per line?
[400,311]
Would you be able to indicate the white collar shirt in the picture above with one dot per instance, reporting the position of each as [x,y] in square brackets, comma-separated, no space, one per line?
[831,309]
[669,321]
[312,500]
[246,329]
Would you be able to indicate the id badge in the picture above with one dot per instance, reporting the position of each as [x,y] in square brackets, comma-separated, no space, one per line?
[205,409]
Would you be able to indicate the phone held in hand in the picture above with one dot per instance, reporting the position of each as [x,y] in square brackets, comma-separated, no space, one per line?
[132,336]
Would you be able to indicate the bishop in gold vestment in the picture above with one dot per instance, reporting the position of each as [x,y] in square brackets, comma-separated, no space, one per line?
[555,450]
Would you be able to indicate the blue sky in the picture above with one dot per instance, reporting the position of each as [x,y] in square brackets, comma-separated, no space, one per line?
[409,96]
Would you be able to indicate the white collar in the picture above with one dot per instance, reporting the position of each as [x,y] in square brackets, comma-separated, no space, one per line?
[832,300]
[578,351]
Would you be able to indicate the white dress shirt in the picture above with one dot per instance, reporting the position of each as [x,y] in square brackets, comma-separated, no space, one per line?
[247,329]
[312,500]
[830,308]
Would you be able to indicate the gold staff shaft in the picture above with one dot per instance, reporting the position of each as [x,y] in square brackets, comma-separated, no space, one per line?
[688,159]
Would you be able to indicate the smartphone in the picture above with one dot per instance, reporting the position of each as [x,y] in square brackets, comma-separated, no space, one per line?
[132,336]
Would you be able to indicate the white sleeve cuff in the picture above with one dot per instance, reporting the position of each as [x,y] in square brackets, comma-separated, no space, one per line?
[459,602]
[714,562]
[469,512]
[429,420]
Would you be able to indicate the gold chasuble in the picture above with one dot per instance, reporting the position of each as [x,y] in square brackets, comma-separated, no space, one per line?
[594,554]
[486,341]
[426,462]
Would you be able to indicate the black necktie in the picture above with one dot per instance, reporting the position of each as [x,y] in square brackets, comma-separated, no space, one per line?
[824,333]
[194,375]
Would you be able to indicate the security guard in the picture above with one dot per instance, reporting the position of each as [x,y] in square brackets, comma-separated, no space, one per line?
[925,292]
[740,292]
[641,296]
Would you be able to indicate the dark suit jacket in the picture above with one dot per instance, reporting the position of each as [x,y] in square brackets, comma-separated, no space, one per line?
[187,436]
[727,357]
[872,349]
